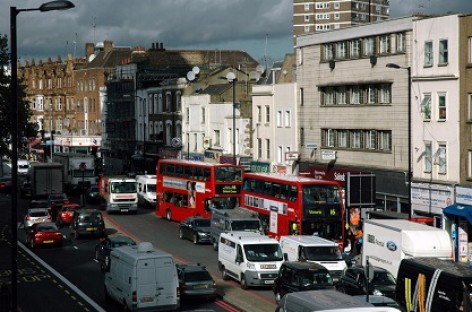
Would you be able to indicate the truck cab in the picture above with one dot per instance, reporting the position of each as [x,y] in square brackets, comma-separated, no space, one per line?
[119,194]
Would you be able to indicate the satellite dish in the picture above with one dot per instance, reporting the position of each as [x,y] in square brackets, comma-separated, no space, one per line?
[230,76]
[176,142]
[260,69]
[196,70]
[254,75]
[190,76]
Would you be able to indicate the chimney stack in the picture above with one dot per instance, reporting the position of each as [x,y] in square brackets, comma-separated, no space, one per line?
[107,46]
[89,49]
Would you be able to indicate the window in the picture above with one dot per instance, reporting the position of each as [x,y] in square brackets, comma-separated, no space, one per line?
[371,139]
[443,55]
[168,103]
[329,96]
[373,94]
[469,162]
[337,5]
[268,148]
[203,116]
[280,151]
[400,42]
[384,44]
[469,53]
[341,50]
[217,137]
[355,139]
[329,52]
[337,16]
[330,138]
[159,103]
[385,140]
[279,119]
[442,162]
[187,110]
[259,114]
[307,7]
[341,138]
[301,97]
[259,148]
[341,95]
[355,95]
[369,46]
[428,154]
[428,53]
[178,102]
[302,136]
[306,28]
[426,106]
[288,119]
[354,48]
[441,107]
[267,114]
[307,18]
[385,94]
[469,96]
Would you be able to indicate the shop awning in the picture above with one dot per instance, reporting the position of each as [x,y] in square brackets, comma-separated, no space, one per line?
[459,210]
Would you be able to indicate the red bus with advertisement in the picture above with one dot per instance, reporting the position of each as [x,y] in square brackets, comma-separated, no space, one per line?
[294,205]
[186,188]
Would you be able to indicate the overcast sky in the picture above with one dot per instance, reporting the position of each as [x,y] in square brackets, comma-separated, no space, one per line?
[260,27]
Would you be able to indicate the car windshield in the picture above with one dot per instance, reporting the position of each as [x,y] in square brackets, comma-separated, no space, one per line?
[202,223]
[151,188]
[123,187]
[325,253]
[228,174]
[90,218]
[197,276]
[47,228]
[245,225]
[308,279]
[383,278]
[263,252]
[123,243]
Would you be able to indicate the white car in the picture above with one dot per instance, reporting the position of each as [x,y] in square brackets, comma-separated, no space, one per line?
[36,215]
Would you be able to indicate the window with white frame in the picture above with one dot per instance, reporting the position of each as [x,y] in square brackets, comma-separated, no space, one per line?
[355,139]
[178,101]
[341,138]
[469,115]
[369,46]
[259,148]
[168,133]
[441,107]
[279,119]
[428,53]
[280,154]
[442,160]
[159,103]
[203,116]
[384,44]
[288,119]
[337,16]
[330,138]
[469,165]
[400,42]
[329,96]
[428,157]
[217,137]
[469,52]
[329,51]
[373,94]
[187,112]
[267,114]
[259,114]
[355,95]
[168,103]
[341,50]
[302,136]
[354,48]
[443,53]
[386,140]
[306,28]
[371,139]
[341,95]
[195,141]
[385,94]
[426,106]
[307,7]
[267,148]
[336,5]
[302,99]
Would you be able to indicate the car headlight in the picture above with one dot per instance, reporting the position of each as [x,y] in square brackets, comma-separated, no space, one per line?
[202,234]
[377,292]
[251,266]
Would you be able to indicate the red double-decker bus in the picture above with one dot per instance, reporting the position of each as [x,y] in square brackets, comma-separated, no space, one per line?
[191,188]
[294,205]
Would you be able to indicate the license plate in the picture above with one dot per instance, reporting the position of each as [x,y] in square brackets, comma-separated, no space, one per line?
[91,229]
[269,282]
[124,210]
[200,286]
[48,241]
[147,299]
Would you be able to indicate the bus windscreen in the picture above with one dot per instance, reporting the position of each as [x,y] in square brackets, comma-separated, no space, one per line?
[228,174]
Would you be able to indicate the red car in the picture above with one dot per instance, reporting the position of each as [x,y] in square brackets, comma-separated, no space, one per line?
[45,233]
[65,215]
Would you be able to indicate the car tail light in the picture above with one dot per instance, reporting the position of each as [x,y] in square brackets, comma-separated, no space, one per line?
[28,217]
[134,297]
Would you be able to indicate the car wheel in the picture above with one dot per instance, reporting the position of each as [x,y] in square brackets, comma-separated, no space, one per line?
[277,297]
[168,215]
[181,234]
[195,238]
[224,276]
[243,282]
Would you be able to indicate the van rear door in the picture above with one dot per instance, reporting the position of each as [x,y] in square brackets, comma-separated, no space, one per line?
[156,283]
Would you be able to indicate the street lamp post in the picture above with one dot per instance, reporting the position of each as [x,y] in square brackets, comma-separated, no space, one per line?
[48,6]
[231,77]
[396,66]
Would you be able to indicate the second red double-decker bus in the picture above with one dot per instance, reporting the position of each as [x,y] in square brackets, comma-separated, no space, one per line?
[191,188]
[294,205]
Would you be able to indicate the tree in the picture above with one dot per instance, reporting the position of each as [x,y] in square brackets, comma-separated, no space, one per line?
[25,128]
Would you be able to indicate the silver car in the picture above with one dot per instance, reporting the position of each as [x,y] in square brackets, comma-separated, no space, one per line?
[36,215]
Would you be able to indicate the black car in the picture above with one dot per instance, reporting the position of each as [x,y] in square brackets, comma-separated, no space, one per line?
[298,276]
[92,195]
[381,282]
[197,229]
[26,190]
[87,222]
[103,249]
[195,281]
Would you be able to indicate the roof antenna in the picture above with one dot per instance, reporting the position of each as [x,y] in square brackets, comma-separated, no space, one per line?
[265,52]
[93,26]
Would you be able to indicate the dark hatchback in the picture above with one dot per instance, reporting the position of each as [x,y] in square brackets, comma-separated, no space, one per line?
[195,281]
[92,195]
[297,276]
[381,282]
[196,229]
[103,249]
[87,222]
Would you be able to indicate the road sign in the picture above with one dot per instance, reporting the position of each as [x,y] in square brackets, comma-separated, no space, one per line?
[311,145]
[328,155]
[291,155]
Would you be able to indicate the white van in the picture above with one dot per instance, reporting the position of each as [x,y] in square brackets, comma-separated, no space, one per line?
[314,249]
[142,278]
[250,258]
[23,166]
[146,185]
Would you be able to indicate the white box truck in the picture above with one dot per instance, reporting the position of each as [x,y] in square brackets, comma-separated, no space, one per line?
[314,249]
[386,242]
[249,258]
[146,185]
[79,170]
[142,278]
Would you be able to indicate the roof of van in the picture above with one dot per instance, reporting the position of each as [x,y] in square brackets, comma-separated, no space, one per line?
[327,299]
[250,237]
[141,251]
[307,240]
[402,225]
[451,267]
[146,176]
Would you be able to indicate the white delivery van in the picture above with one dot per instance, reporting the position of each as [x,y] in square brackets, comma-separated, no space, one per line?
[314,249]
[387,241]
[250,258]
[142,278]
[146,185]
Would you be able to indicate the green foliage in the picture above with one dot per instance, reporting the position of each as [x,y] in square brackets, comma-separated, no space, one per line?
[25,128]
